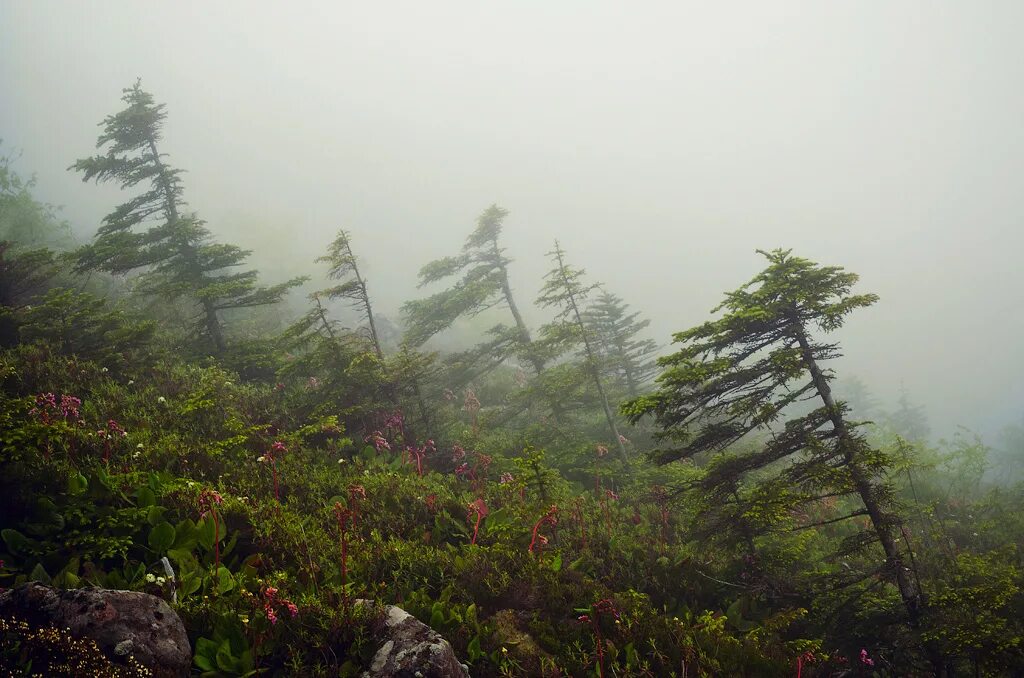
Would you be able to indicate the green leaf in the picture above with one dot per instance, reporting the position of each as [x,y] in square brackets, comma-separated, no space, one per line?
[39,574]
[225,582]
[146,497]
[225,660]
[77,484]
[17,543]
[206,650]
[556,563]
[155,514]
[161,537]
[190,583]
[473,649]
[205,532]
[185,537]
[184,558]
[437,619]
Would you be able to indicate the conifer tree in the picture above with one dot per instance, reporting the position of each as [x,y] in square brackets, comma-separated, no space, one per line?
[484,284]
[23,275]
[81,324]
[564,288]
[625,356]
[737,375]
[152,232]
[352,286]
[909,420]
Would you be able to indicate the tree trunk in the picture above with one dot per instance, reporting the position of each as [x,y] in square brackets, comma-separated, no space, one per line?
[592,364]
[524,331]
[862,483]
[212,322]
[365,300]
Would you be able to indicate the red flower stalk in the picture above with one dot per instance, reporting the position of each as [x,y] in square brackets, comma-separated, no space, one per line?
[271,600]
[209,500]
[277,449]
[379,442]
[806,657]
[355,493]
[483,462]
[601,607]
[549,518]
[417,454]
[113,429]
[608,494]
[479,508]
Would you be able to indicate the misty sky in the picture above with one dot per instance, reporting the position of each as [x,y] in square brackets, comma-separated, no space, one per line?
[662,143]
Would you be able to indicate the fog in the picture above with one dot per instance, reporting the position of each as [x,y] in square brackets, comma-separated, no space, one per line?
[661,143]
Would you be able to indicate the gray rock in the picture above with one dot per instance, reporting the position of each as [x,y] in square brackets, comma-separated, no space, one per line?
[122,623]
[409,648]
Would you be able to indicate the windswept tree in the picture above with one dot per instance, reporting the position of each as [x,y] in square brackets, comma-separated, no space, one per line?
[351,284]
[626,357]
[739,374]
[564,289]
[349,367]
[482,282]
[151,232]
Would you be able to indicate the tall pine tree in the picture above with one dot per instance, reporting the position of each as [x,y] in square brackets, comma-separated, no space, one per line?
[152,232]
[564,288]
[484,284]
[351,286]
[737,375]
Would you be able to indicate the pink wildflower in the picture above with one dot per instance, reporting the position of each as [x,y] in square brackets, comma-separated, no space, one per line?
[378,441]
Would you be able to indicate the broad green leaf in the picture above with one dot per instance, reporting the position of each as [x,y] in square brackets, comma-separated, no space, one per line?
[225,582]
[146,497]
[16,542]
[39,574]
[155,514]
[225,660]
[161,537]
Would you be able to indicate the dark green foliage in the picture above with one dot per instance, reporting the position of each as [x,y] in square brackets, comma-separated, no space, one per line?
[741,374]
[150,231]
[352,287]
[484,284]
[565,290]
[626,358]
[79,324]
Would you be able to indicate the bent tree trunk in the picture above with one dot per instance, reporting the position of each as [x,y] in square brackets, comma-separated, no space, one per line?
[212,322]
[880,521]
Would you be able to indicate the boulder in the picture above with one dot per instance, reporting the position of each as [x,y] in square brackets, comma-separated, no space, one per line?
[409,648]
[122,623]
